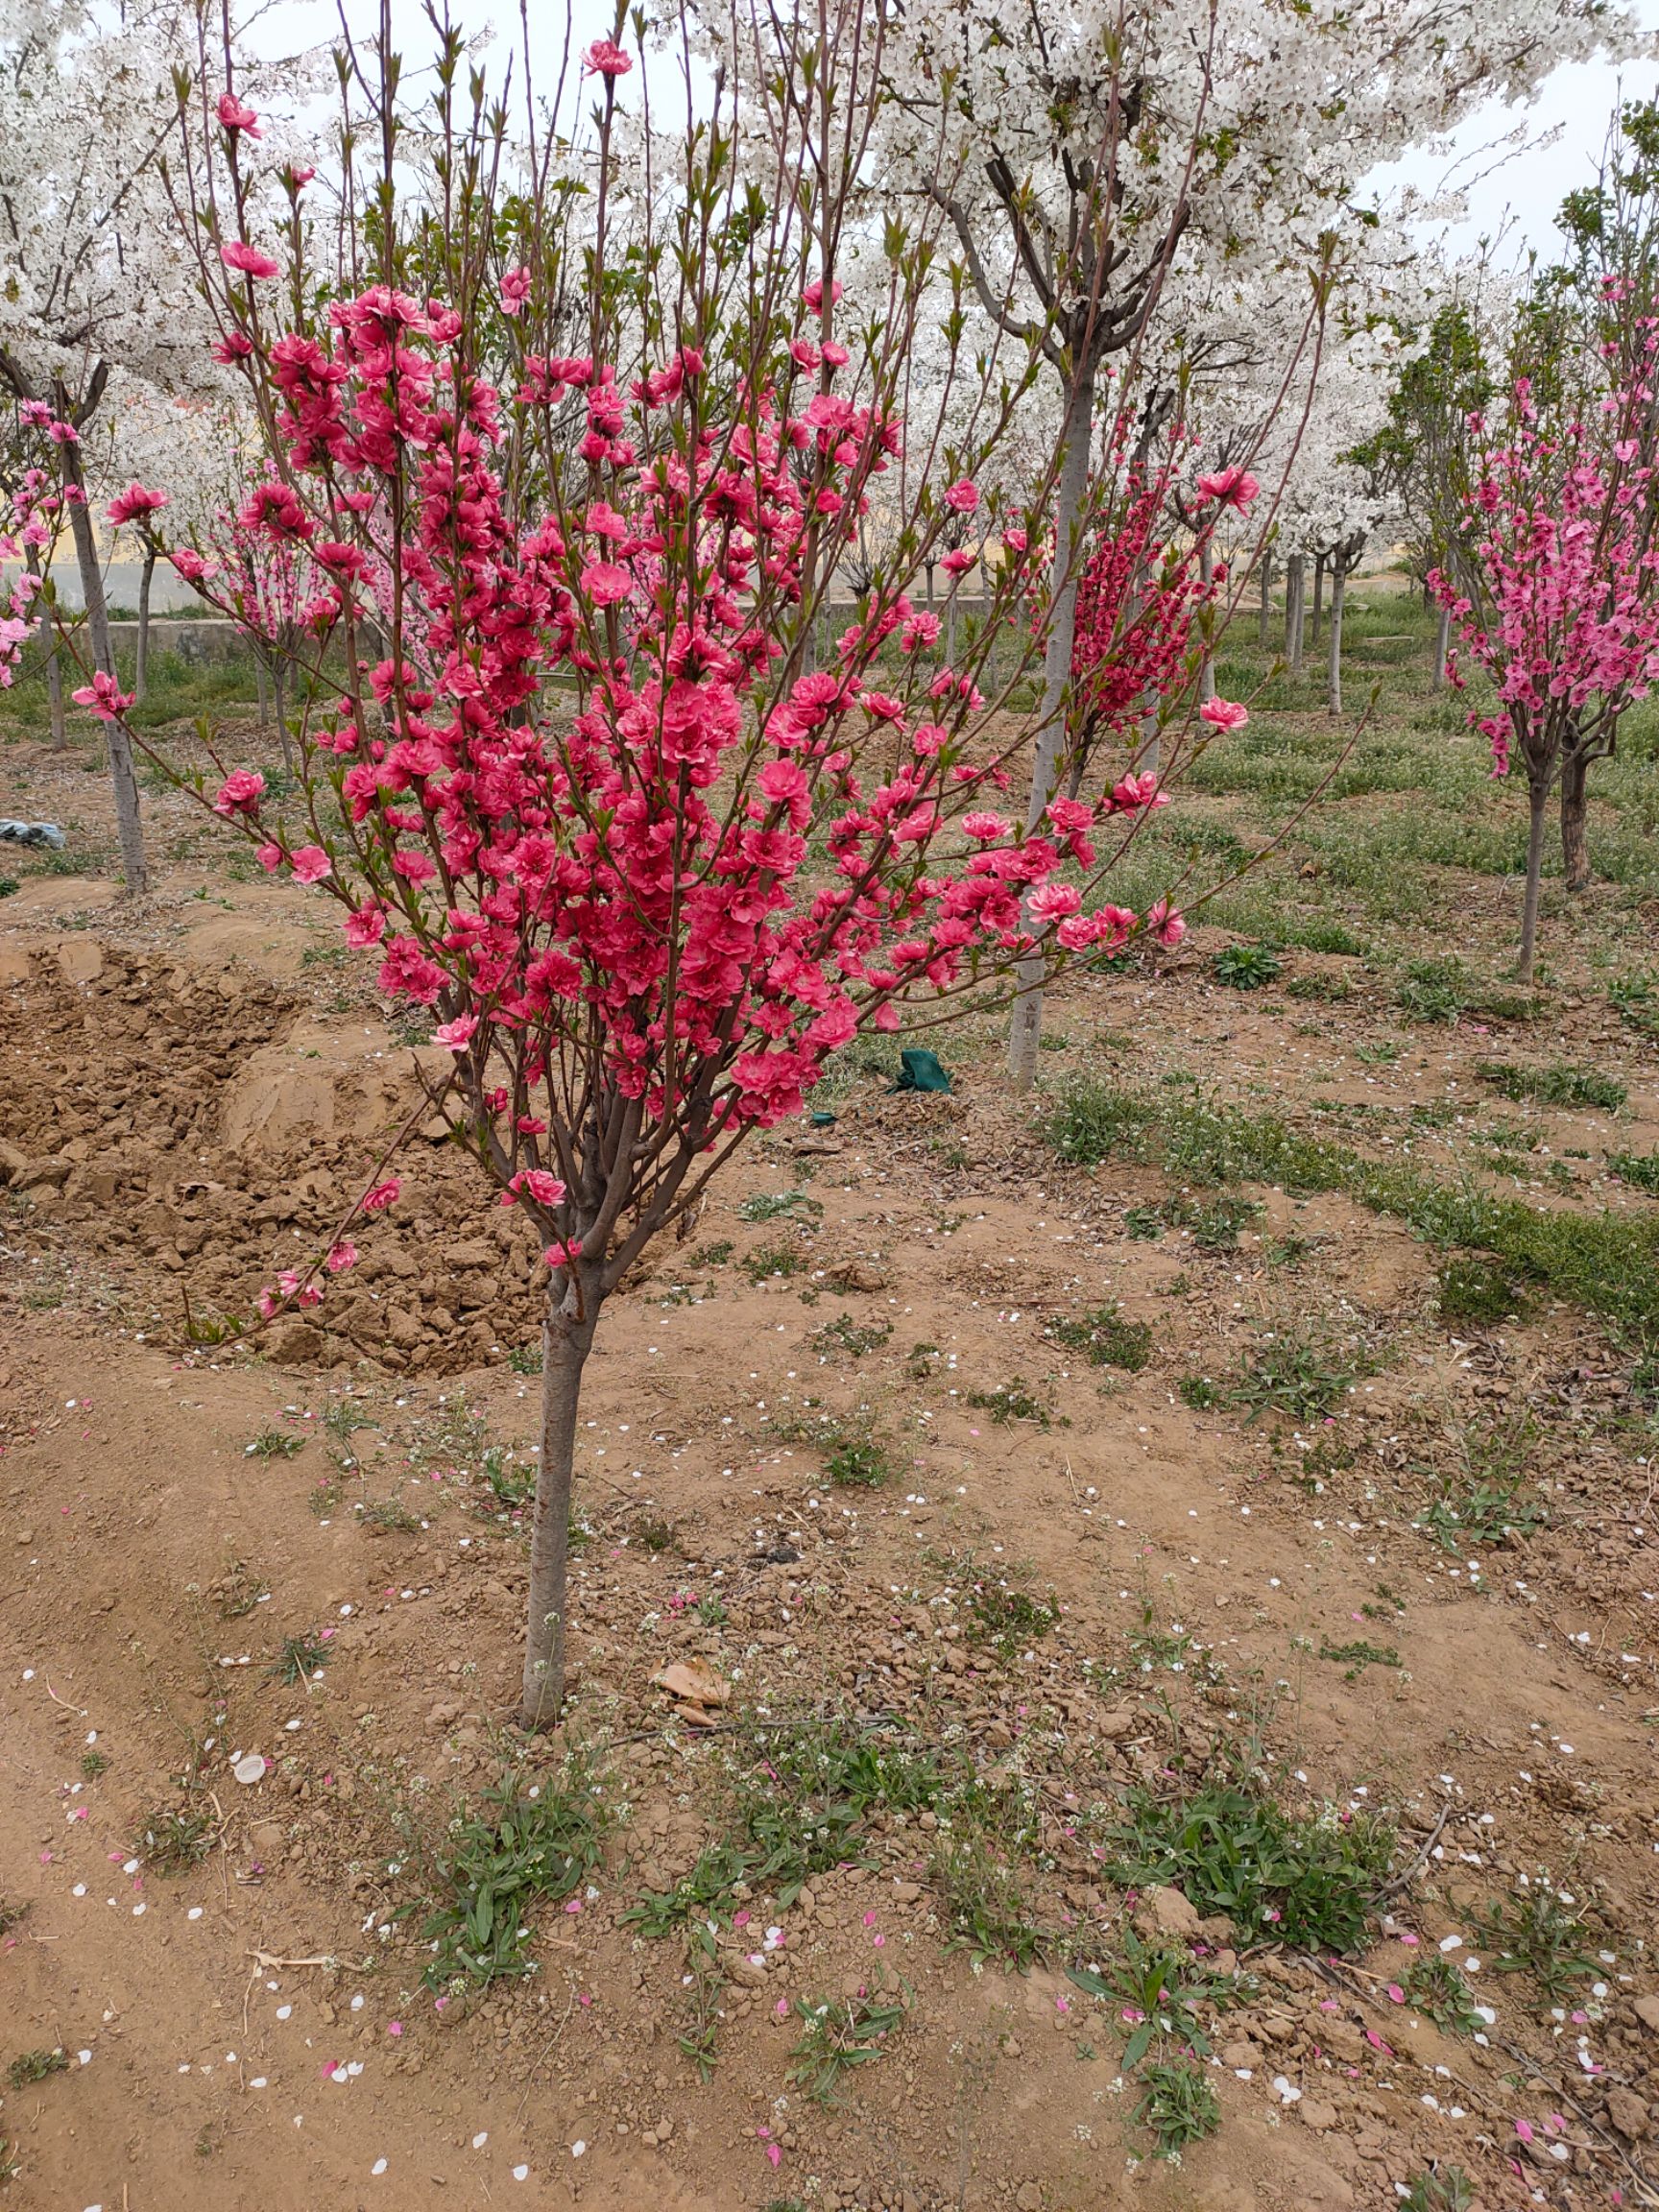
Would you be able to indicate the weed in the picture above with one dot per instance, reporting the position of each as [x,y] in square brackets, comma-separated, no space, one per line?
[37,2066]
[512,1483]
[1009,1619]
[845,1336]
[983,1900]
[1636,1000]
[922,1362]
[9,886]
[1245,967]
[1213,1227]
[1309,1880]
[1439,1991]
[493,1866]
[1144,1223]
[1439,2189]
[239,1591]
[298,1658]
[711,1612]
[1355,1658]
[10,2169]
[713,1255]
[654,1534]
[1478,1292]
[524,1359]
[92,1765]
[1432,989]
[779,1206]
[1556,1085]
[1297,1372]
[768,1261]
[858,1463]
[13,1914]
[1639,1170]
[1105,1338]
[1200,1392]
[1155,1988]
[840,2034]
[1380,1055]
[1011,1401]
[805,1789]
[661,1913]
[1331,990]
[1179,2108]
[389,1517]
[173,1840]
[1538,1932]
[1091,1121]
[274,1444]
[1479,1515]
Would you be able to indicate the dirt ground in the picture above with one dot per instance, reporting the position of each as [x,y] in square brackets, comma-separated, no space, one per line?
[191,1087]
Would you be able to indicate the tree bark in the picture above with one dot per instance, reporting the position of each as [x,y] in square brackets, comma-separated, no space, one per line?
[1574,851]
[1538,800]
[129,826]
[1296,588]
[566,1339]
[1026,1025]
[1266,611]
[277,689]
[141,665]
[1318,597]
[54,666]
[264,687]
[1442,647]
[1334,658]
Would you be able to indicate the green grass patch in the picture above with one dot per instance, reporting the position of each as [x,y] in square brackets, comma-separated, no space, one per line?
[527,1844]
[1105,1338]
[1556,1085]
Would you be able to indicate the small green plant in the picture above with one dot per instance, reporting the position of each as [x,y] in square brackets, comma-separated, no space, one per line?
[1354,1658]
[1246,967]
[298,1658]
[8,885]
[1144,1224]
[37,2066]
[389,1517]
[275,1444]
[706,1888]
[841,2034]
[173,1839]
[1439,1991]
[922,1362]
[844,1337]
[494,1865]
[983,1900]
[779,1206]
[1480,1514]
[524,1359]
[13,1914]
[1308,1880]
[1154,1987]
[769,1260]
[1200,1392]
[239,1591]
[1091,1121]
[1432,989]
[1538,1931]
[713,1255]
[1636,1000]
[654,1534]
[1439,2189]
[1639,1170]
[1179,2105]
[512,1482]
[1215,1225]
[1479,1293]
[1297,1372]
[1008,1618]
[711,1611]
[858,1463]
[1105,1338]
[1382,1054]
[1010,1402]
[92,1765]
[1556,1085]
[1328,990]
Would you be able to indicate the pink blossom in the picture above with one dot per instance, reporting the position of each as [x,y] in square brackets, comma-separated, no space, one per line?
[563,1252]
[515,290]
[1230,488]
[235,117]
[963,496]
[311,864]
[606,59]
[813,294]
[133,503]
[1224,714]
[455,1035]
[605,583]
[104,697]
[1166,924]
[237,254]
[957,562]
[985,827]
[240,793]
[382,1196]
[340,1256]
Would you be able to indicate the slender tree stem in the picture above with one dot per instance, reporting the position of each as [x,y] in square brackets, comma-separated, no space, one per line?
[1538,797]
[566,1339]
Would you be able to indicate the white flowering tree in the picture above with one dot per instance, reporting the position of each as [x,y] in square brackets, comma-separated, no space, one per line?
[1081,155]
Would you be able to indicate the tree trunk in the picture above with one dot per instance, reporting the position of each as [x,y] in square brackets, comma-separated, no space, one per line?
[1442,647]
[1333,659]
[1266,601]
[1026,1025]
[1575,851]
[1295,591]
[951,631]
[1538,797]
[930,568]
[1318,597]
[141,666]
[1206,669]
[54,666]
[565,1343]
[264,686]
[133,872]
[277,687]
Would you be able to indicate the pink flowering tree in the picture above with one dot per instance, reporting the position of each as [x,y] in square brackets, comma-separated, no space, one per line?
[578,785]
[1553,590]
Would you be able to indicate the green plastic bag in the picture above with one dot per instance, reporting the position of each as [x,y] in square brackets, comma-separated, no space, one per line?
[920,1070]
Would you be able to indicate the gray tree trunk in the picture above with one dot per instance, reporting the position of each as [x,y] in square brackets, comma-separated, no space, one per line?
[1318,597]
[1442,647]
[130,828]
[1334,658]
[1296,585]
[565,1343]
[1266,615]
[141,666]
[1538,797]
[1026,1026]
